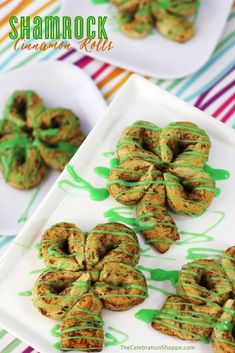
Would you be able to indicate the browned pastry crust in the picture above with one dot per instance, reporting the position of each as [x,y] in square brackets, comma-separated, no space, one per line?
[180,318]
[82,327]
[204,281]
[223,339]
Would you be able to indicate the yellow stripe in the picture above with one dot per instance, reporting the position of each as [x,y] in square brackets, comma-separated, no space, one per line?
[117,86]
[42,8]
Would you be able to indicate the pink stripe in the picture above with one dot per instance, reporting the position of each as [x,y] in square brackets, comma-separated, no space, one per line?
[229,114]
[84,61]
[204,95]
[218,95]
[28,350]
[224,105]
[99,72]
[64,56]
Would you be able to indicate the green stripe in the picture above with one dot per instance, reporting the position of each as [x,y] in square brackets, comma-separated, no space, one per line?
[29,59]
[11,346]
[159,82]
[231,15]
[174,84]
[225,41]
[2,333]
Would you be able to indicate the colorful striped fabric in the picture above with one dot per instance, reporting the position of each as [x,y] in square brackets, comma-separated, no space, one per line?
[212,88]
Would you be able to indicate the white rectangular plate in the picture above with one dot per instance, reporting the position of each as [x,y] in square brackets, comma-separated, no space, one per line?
[139,99]
[155,55]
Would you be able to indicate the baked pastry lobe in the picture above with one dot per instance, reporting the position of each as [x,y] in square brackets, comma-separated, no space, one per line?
[180,318]
[173,27]
[185,144]
[228,263]
[84,274]
[197,193]
[22,108]
[111,242]
[59,242]
[223,339]
[120,286]
[55,292]
[161,168]
[58,136]
[204,281]
[20,162]
[82,326]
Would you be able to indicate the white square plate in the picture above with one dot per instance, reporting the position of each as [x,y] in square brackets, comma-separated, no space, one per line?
[155,55]
[139,99]
[60,85]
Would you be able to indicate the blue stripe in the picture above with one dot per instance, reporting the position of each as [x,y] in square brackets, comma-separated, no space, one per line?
[214,59]
[211,83]
[5,240]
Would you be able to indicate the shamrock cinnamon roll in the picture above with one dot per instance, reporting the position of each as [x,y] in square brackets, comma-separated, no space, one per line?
[82,327]
[20,161]
[136,19]
[58,136]
[223,338]
[180,318]
[204,281]
[85,274]
[228,263]
[160,168]
[23,108]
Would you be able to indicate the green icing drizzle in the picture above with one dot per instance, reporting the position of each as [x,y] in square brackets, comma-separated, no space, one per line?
[217,174]
[104,171]
[194,238]
[25,294]
[202,253]
[113,340]
[94,193]
[147,315]
[158,274]
[23,218]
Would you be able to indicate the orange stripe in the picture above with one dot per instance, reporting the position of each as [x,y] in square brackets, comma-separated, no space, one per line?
[117,86]
[43,7]
[116,72]
[16,10]
[5,3]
